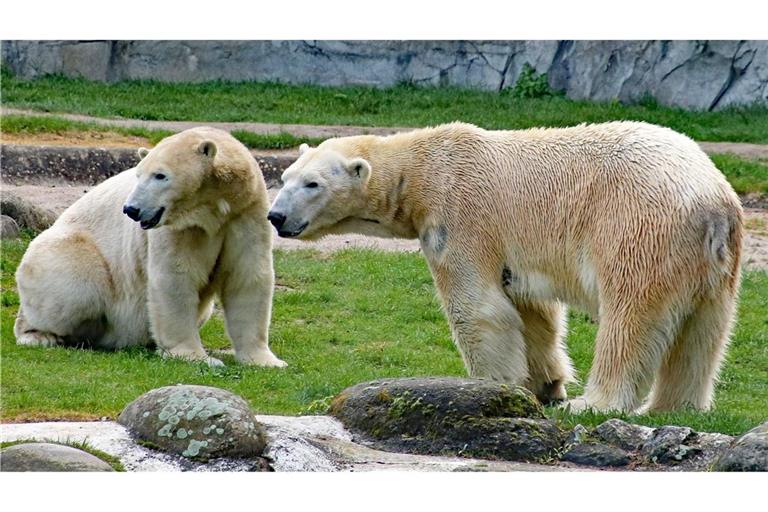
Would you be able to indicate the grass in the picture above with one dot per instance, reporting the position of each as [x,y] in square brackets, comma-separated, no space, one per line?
[744,175]
[34,125]
[338,320]
[80,445]
[403,105]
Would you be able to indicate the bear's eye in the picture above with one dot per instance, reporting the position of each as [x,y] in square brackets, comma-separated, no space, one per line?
[160,176]
[311,184]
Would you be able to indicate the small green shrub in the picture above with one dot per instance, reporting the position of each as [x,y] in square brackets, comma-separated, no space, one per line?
[531,84]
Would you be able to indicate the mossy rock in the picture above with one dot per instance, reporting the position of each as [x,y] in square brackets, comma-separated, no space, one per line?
[197,422]
[447,415]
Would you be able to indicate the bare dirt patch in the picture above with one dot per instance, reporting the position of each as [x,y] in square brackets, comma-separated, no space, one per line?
[76,138]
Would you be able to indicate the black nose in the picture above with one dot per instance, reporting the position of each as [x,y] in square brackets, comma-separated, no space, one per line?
[277,219]
[132,212]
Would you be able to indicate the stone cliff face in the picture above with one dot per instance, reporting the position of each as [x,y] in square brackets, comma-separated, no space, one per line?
[703,75]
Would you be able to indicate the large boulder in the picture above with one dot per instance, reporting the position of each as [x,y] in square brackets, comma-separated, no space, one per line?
[8,227]
[198,422]
[49,457]
[747,453]
[24,213]
[444,416]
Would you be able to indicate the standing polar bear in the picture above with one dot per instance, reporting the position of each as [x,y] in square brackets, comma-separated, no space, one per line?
[628,221]
[199,203]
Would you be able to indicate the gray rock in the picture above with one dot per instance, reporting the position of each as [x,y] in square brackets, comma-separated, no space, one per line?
[748,453]
[33,164]
[29,164]
[622,434]
[49,457]
[670,445]
[691,74]
[578,435]
[198,422]
[598,455]
[469,417]
[8,227]
[24,213]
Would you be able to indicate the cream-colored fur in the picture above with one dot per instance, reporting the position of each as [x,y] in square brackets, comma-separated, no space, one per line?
[97,278]
[628,221]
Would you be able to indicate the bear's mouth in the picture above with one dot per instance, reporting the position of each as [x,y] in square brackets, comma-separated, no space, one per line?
[149,224]
[284,233]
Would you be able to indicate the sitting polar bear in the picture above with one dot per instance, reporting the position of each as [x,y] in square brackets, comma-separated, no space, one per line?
[97,277]
[628,221]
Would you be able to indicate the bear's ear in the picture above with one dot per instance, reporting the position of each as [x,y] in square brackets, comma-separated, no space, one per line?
[142,152]
[207,148]
[303,148]
[360,168]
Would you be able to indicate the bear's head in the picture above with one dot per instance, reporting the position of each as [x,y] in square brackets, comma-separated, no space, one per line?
[168,179]
[320,190]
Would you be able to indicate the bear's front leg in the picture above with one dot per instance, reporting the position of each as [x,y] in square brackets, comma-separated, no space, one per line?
[173,308]
[486,327]
[246,292]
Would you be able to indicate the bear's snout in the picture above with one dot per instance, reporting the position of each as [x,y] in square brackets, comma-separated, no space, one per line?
[132,212]
[277,219]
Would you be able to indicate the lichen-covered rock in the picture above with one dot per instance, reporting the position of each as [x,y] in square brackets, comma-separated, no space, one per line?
[598,455]
[49,457]
[747,453]
[469,417]
[622,434]
[198,422]
[670,445]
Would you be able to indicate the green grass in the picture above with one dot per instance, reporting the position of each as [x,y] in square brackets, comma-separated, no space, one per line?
[33,125]
[403,105]
[80,445]
[743,174]
[341,319]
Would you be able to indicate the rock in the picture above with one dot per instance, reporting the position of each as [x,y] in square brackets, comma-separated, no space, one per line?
[747,453]
[467,417]
[8,227]
[578,435]
[669,445]
[49,457]
[24,213]
[30,165]
[198,422]
[690,74]
[622,434]
[598,455]
[24,165]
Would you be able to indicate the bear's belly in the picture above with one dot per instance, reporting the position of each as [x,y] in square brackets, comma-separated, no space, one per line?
[528,285]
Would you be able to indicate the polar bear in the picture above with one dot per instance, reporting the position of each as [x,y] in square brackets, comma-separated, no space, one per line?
[627,221]
[195,227]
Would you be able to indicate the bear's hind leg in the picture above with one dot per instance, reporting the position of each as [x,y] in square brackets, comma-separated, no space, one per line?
[63,285]
[548,362]
[689,370]
[26,335]
[631,341]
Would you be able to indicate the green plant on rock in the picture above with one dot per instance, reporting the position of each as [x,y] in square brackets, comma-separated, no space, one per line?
[531,84]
